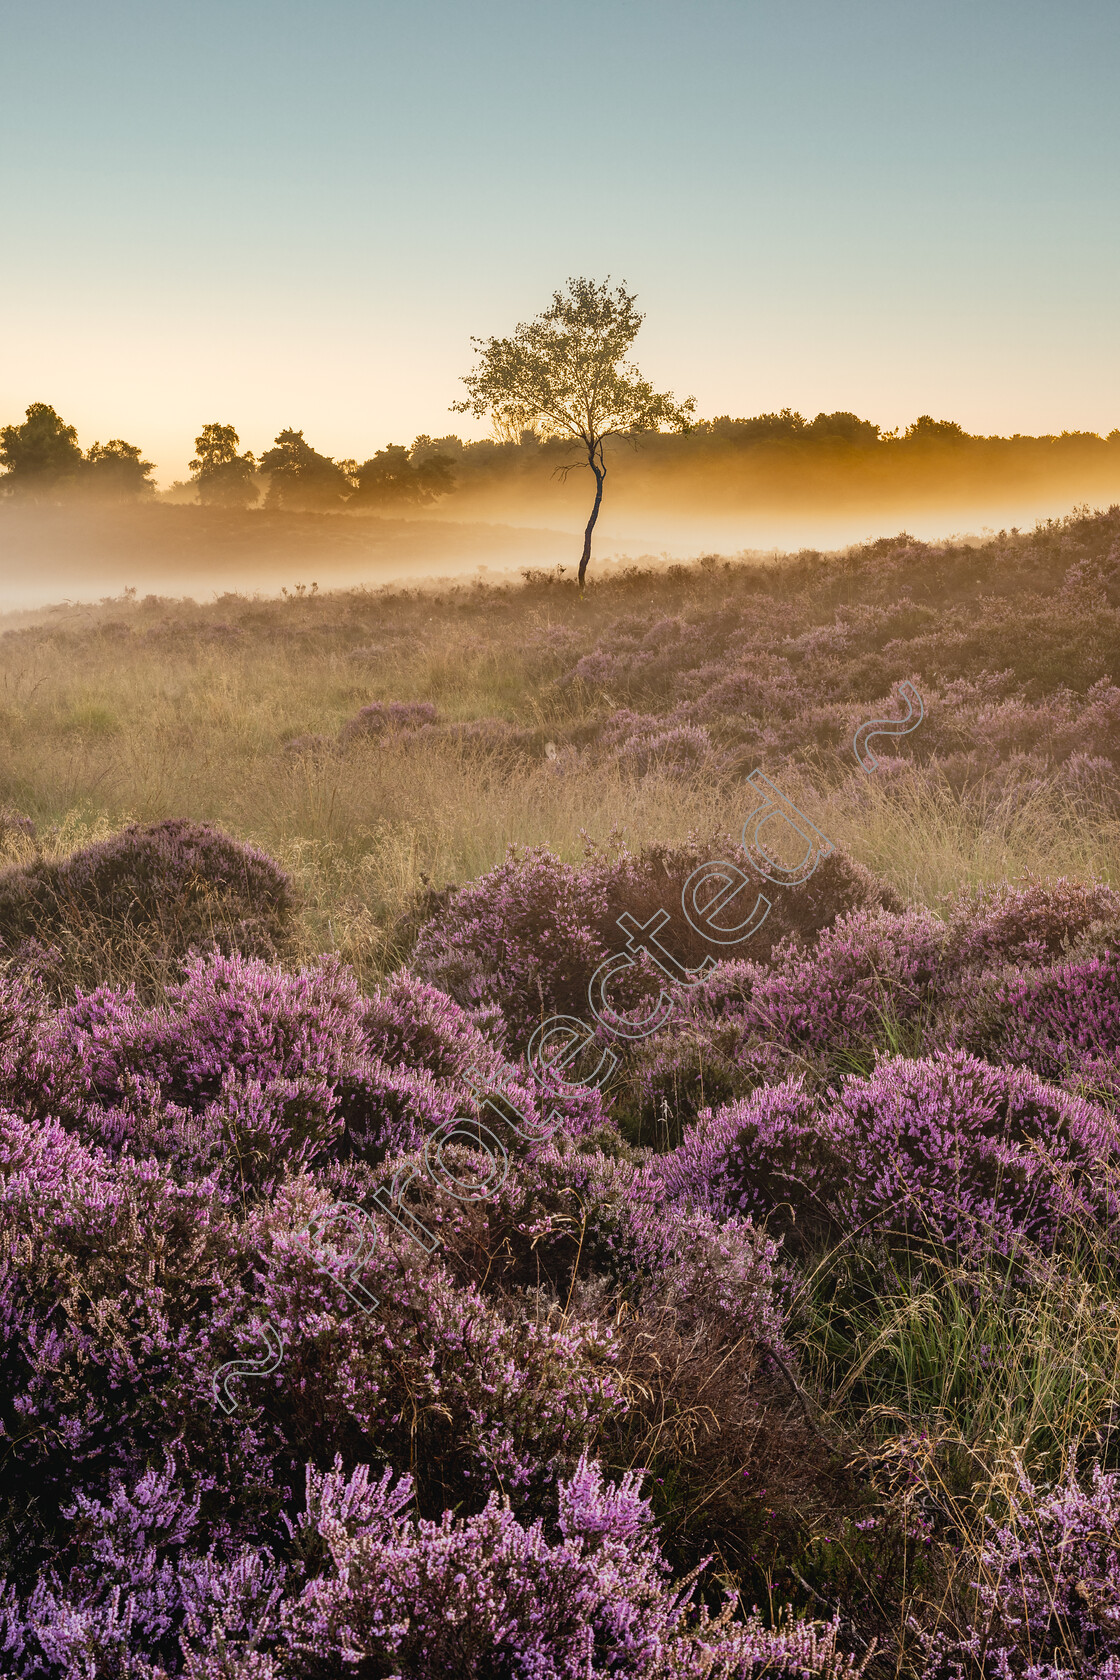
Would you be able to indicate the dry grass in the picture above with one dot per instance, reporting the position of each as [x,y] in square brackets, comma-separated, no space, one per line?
[101,726]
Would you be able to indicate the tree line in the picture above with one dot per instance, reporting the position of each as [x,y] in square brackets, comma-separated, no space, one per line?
[42,461]
[558,391]
[41,458]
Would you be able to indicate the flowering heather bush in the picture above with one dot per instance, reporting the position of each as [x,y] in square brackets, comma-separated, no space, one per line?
[675,751]
[383,716]
[945,1147]
[1029,921]
[871,979]
[111,1340]
[1063,1019]
[1047,1601]
[159,889]
[376,1588]
[608,1210]
[523,941]
[871,970]
[409,1021]
[108,1346]
[14,822]
[151,1209]
[878,981]
[692,1064]
[246,1071]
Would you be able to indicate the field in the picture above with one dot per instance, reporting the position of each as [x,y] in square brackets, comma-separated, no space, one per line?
[793,1348]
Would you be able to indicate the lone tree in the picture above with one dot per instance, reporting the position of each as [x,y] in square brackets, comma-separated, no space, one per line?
[563,375]
[224,478]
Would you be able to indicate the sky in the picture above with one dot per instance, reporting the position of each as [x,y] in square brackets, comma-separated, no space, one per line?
[281,214]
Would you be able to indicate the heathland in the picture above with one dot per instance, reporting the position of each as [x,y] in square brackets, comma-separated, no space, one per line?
[814,1304]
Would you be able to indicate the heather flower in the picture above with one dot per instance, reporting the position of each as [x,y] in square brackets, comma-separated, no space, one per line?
[1061,1019]
[14,822]
[870,968]
[383,717]
[488,1594]
[674,751]
[1030,921]
[1047,1597]
[522,942]
[944,1146]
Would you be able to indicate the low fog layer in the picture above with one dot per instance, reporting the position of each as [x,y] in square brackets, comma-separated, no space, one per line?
[84,553]
[85,525]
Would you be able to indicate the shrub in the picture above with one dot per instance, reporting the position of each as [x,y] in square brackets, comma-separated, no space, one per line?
[382,716]
[1026,922]
[14,822]
[1061,1019]
[523,941]
[943,1147]
[870,979]
[1047,1594]
[676,751]
[374,1586]
[135,904]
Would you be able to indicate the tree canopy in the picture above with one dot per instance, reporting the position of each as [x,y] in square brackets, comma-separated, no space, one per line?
[224,478]
[399,477]
[563,375]
[299,477]
[41,456]
[43,461]
[115,472]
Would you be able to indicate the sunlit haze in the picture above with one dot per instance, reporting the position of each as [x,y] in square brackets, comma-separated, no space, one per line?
[294,215]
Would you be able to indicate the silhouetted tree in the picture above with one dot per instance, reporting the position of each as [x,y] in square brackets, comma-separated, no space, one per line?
[396,476]
[928,430]
[299,476]
[41,457]
[843,425]
[562,374]
[114,471]
[224,478]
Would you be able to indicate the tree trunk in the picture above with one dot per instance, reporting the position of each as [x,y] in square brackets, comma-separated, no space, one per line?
[595,457]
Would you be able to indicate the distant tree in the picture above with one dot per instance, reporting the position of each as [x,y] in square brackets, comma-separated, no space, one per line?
[299,476]
[562,375]
[42,456]
[844,425]
[399,477]
[224,478]
[783,427]
[115,472]
[180,492]
[928,430]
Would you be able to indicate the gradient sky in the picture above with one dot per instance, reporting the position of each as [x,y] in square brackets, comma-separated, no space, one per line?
[297,214]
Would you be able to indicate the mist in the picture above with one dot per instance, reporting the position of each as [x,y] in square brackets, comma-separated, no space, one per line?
[86,552]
